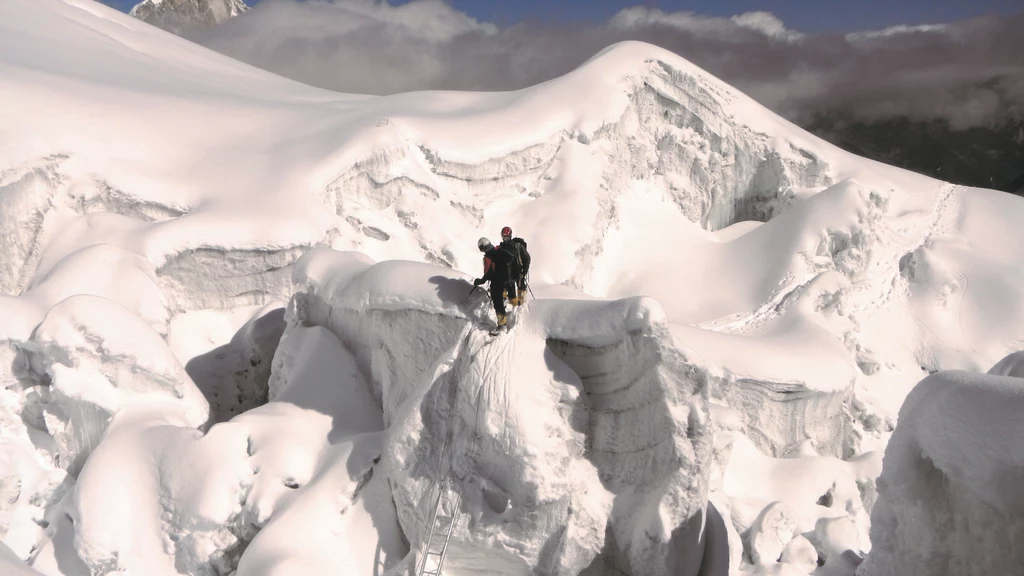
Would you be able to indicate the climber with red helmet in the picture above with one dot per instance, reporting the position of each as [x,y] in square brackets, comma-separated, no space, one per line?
[517,246]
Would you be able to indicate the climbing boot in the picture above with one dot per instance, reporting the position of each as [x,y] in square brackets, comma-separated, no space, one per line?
[501,325]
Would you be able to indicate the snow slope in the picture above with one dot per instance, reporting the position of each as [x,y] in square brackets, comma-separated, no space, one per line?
[155,199]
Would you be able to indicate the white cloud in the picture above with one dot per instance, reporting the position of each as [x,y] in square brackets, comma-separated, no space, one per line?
[894,30]
[768,24]
[732,28]
[432,19]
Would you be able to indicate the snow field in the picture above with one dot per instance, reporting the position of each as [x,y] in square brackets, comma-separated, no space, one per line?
[162,407]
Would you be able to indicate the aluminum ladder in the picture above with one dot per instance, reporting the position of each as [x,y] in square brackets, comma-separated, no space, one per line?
[447,502]
[442,524]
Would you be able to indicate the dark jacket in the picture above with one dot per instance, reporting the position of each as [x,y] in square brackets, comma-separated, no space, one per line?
[498,266]
[518,247]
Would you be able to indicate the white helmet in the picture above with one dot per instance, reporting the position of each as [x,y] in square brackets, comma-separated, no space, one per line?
[483,244]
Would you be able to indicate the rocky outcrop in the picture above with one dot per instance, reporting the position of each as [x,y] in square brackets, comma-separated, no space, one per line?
[177,15]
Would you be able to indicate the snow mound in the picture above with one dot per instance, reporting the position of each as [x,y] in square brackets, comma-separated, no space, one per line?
[1012,365]
[192,502]
[781,505]
[581,437]
[330,456]
[771,533]
[949,498]
[94,355]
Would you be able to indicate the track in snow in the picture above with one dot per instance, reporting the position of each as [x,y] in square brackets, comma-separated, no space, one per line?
[942,221]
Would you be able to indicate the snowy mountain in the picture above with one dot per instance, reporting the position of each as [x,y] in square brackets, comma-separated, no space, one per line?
[176,15]
[988,156]
[240,333]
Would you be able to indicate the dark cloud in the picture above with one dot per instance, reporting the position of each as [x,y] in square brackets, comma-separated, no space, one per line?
[970,73]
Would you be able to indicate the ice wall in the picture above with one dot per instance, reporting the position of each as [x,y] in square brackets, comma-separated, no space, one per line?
[949,498]
[644,418]
[51,214]
[673,133]
[579,439]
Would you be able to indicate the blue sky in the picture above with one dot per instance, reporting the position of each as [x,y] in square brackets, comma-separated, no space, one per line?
[802,15]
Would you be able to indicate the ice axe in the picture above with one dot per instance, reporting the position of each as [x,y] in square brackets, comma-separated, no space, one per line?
[470,294]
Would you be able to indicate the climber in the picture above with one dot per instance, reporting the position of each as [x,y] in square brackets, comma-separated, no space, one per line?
[500,269]
[517,292]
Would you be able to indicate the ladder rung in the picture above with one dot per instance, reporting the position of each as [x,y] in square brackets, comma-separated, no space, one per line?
[446,507]
[442,523]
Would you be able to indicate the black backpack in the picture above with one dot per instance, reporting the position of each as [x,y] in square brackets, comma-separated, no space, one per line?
[522,254]
[506,258]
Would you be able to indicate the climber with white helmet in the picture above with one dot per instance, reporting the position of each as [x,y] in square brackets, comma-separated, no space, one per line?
[501,269]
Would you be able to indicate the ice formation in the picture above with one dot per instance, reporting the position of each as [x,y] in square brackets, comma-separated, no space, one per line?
[949,498]
[243,312]
[179,15]
[495,417]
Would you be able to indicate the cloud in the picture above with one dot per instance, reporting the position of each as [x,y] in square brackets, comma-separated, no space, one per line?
[727,29]
[968,72]
[894,30]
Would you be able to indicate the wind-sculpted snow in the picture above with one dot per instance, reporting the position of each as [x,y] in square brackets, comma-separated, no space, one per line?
[93,355]
[496,417]
[793,502]
[87,361]
[949,498]
[387,165]
[730,315]
[234,377]
[1012,365]
[68,234]
[24,198]
[193,502]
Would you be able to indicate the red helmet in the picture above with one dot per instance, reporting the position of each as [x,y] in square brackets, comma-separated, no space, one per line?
[506,232]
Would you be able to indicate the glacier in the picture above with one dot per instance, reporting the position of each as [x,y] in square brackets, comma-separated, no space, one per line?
[243,312]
